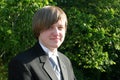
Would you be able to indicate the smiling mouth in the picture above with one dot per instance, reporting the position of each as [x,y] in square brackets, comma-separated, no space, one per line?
[55,39]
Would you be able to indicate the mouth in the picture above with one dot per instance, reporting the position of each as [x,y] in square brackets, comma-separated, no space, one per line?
[55,39]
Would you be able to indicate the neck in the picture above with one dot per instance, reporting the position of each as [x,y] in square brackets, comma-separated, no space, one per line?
[53,50]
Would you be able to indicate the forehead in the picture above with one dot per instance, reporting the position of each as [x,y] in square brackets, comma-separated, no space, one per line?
[60,22]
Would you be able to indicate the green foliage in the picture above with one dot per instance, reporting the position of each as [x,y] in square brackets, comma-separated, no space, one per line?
[87,38]
[15,25]
[15,28]
[92,40]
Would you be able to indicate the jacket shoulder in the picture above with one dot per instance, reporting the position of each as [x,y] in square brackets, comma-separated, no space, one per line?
[30,54]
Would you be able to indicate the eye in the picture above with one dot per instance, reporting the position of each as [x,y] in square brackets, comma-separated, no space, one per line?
[60,27]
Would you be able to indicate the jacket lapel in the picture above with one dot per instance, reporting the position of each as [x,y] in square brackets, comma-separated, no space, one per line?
[63,68]
[48,68]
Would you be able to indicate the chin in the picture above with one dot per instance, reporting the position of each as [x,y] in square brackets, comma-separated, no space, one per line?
[55,46]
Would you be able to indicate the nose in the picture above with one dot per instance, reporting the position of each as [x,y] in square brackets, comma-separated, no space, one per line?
[55,31]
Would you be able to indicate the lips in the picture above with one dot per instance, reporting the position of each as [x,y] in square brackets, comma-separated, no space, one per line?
[55,39]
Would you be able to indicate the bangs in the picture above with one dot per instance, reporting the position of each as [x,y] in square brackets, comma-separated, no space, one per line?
[47,16]
[52,15]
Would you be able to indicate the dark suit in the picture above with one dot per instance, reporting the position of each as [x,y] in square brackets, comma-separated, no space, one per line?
[34,64]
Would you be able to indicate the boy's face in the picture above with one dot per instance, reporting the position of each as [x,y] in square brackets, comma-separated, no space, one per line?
[53,37]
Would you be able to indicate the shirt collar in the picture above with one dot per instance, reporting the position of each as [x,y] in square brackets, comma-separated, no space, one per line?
[47,51]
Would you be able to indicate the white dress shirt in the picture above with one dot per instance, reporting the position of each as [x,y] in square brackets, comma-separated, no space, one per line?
[53,56]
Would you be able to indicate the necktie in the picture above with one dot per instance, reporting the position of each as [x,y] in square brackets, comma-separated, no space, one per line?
[56,68]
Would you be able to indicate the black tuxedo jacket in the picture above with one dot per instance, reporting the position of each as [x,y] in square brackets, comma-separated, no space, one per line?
[34,64]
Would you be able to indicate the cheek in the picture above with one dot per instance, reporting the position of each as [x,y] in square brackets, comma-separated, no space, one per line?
[63,35]
[43,36]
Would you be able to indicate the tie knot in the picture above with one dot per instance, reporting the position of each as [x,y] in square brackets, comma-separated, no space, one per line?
[54,63]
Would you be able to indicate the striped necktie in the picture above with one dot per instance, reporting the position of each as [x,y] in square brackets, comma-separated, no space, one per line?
[55,68]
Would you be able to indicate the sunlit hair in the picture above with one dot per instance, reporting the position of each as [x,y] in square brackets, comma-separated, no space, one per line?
[45,17]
